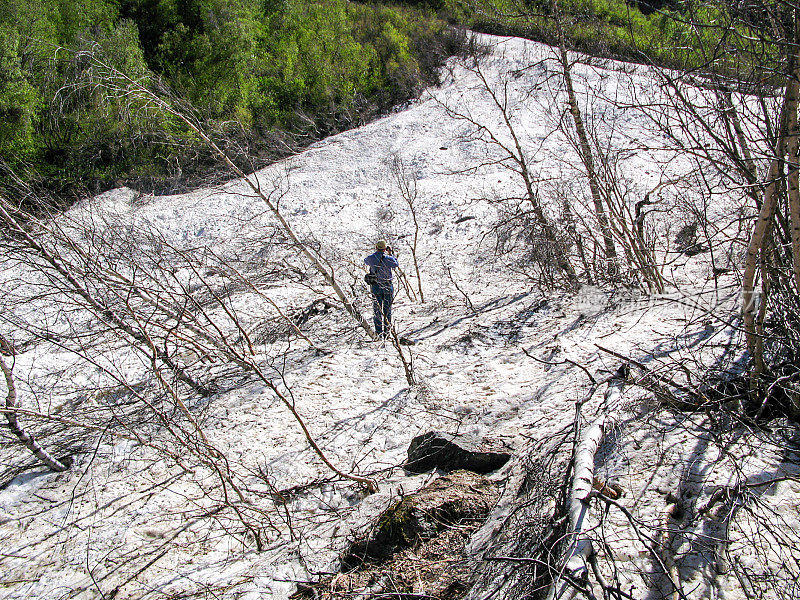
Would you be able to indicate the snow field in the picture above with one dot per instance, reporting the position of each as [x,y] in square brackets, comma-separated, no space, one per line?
[127,519]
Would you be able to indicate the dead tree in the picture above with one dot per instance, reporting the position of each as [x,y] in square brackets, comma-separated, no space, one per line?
[512,155]
[584,147]
[619,246]
[407,184]
[143,296]
[86,282]
[102,75]
[737,121]
[13,423]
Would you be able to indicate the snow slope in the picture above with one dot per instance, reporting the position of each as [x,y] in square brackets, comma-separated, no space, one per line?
[128,522]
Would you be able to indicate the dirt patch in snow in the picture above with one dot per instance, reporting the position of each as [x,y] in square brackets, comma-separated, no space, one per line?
[417,547]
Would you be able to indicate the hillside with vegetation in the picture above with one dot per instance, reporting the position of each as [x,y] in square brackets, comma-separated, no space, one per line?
[589,387]
[271,77]
[197,406]
[267,76]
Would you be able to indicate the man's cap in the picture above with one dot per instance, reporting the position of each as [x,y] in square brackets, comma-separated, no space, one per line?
[380,245]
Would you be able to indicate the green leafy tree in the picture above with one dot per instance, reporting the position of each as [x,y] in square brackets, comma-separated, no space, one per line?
[309,67]
[18,101]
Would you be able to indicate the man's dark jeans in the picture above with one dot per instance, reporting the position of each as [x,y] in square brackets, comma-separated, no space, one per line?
[382,296]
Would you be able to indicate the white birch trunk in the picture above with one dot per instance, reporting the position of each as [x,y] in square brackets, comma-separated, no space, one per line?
[27,439]
[756,247]
[580,549]
[794,173]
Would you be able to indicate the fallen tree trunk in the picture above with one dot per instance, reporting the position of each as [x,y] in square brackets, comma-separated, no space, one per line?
[513,550]
[576,561]
[27,439]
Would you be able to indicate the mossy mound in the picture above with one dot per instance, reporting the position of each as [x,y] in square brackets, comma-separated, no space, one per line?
[460,498]
[417,545]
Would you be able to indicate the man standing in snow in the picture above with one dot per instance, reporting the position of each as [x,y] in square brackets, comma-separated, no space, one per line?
[380,266]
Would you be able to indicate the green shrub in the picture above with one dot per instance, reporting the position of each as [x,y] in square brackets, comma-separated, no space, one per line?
[295,69]
[19,101]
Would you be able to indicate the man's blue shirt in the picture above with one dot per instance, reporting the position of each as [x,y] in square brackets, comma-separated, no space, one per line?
[381,264]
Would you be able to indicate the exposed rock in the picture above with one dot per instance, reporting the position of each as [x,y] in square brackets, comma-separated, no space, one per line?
[686,240]
[320,306]
[448,452]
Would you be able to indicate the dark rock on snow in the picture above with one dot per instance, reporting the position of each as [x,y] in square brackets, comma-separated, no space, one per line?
[448,452]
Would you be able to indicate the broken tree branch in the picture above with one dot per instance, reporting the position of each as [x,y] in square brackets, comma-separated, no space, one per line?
[27,439]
